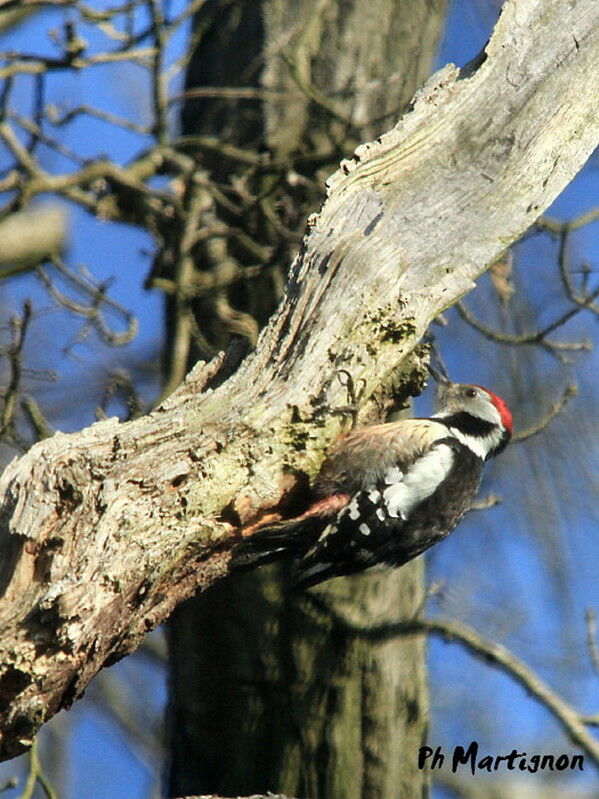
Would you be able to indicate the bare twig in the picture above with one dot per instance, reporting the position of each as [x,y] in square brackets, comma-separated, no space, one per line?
[496,655]
[311,91]
[19,326]
[92,312]
[120,383]
[557,226]
[570,391]
[539,337]
[198,200]
[36,418]
[584,300]
[35,130]
[570,720]
[33,65]
[159,87]
[228,92]
[36,776]
[60,119]
[593,647]
[12,782]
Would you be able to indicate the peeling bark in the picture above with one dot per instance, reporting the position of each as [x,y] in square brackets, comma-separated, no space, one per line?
[105,531]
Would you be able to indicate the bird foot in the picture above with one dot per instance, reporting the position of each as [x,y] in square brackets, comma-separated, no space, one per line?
[355,392]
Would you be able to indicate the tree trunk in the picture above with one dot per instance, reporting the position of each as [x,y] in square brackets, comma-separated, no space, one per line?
[105,531]
[275,695]
[281,696]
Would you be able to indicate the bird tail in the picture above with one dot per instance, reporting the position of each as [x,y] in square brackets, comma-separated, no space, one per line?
[279,541]
[309,575]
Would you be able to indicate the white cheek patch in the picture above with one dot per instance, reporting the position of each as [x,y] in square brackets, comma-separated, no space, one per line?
[481,446]
[419,482]
[484,409]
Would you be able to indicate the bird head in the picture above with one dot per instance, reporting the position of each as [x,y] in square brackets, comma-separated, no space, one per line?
[478,413]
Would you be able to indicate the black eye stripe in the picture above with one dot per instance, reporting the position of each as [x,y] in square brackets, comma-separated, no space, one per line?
[469,425]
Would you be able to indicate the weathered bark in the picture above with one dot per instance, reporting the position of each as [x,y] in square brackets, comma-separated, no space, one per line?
[273,694]
[104,531]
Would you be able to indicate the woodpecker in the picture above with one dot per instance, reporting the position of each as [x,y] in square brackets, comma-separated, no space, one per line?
[387,493]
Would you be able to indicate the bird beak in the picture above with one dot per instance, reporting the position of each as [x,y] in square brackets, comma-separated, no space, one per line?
[442,385]
[445,393]
[440,379]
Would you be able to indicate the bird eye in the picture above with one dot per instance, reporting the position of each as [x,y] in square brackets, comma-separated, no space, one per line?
[471,392]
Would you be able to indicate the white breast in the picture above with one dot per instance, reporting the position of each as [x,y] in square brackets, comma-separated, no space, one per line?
[418,482]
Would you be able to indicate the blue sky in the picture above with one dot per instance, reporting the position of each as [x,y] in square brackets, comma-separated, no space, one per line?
[498,577]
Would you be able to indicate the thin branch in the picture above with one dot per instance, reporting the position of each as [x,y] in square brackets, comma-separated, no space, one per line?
[35,130]
[59,120]
[197,200]
[36,776]
[557,225]
[159,93]
[593,647]
[128,180]
[312,92]
[92,312]
[198,31]
[570,391]
[539,337]
[36,418]
[207,282]
[19,326]
[12,782]
[120,383]
[496,655]
[228,92]
[582,300]
[22,155]
[37,114]
[570,720]
[33,65]
[213,145]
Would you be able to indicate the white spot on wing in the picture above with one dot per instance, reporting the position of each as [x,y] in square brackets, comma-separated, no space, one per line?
[380,514]
[374,495]
[364,529]
[330,529]
[419,482]
[353,509]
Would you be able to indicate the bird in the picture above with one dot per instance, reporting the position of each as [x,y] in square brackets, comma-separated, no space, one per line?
[388,492]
